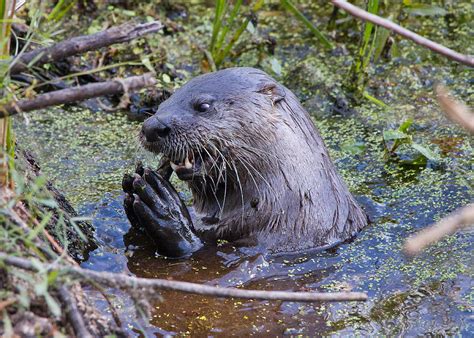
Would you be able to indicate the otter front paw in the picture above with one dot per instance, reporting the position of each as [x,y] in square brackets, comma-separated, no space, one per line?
[152,203]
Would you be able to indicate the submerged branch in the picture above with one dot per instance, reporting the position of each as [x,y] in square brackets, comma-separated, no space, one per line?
[418,39]
[82,44]
[125,282]
[78,93]
[447,226]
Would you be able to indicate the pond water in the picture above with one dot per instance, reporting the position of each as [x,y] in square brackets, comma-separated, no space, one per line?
[85,153]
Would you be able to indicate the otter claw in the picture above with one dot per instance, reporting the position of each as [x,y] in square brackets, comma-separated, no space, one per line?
[150,197]
[152,203]
[127,183]
[164,189]
[128,207]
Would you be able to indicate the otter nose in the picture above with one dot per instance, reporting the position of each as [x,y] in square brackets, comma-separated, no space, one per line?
[154,129]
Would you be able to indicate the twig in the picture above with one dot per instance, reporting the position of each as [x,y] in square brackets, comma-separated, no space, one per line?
[113,310]
[447,226]
[122,281]
[75,317]
[78,93]
[457,111]
[82,44]
[418,39]
[25,214]
[6,303]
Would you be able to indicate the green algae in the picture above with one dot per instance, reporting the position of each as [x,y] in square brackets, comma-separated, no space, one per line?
[87,152]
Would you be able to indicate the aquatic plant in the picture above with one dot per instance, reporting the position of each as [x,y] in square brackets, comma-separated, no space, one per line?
[371,45]
[300,16]
[228,18]
[7,9]
[394,138]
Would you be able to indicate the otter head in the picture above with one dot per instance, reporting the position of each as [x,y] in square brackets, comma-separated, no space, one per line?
[254,161]
[208,127]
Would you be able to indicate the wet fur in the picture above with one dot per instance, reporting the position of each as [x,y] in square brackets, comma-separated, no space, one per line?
[270,177]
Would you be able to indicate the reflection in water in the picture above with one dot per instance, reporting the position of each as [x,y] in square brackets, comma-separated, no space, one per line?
[406,297]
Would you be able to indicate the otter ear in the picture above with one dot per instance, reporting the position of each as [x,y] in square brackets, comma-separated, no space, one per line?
[273,90]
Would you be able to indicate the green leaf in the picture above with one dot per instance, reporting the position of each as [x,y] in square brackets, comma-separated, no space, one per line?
[50,202]
[251,28]
[7,325]
[405,125]
[426,152]
[52,305]
[374,100]
[355,148]
[300,16]
[41,288]
[128,12]
[425,10]
[52,276]
[166,78]
[394,135]
[146,62]
[380,41]
[276,66]
[40,226]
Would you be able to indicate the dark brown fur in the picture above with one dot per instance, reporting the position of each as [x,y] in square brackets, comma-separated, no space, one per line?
[266,172]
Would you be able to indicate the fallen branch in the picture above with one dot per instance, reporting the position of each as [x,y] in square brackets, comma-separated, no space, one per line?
[447,226]
[78,93]
[73,313]
[456,111]
[418,39]
[122,281]
[82,44]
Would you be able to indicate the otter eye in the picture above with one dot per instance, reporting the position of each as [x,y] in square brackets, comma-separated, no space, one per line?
[202,107]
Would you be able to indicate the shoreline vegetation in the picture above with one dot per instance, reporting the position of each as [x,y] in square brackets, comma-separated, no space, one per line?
[39,268]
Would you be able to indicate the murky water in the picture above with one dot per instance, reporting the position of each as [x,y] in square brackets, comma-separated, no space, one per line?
[86,154]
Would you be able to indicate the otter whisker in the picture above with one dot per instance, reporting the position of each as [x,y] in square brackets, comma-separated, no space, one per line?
[241,193]
[214,185]
[225,171]
[251,176]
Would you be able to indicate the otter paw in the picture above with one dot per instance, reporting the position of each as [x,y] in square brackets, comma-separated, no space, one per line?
[153,204]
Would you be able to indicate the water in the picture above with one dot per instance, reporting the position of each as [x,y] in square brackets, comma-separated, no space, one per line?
[86,153]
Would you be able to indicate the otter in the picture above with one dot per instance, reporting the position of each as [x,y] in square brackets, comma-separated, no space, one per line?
[255,163]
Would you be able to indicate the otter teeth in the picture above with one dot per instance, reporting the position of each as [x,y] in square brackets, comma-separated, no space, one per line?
[174,166]
[187,163]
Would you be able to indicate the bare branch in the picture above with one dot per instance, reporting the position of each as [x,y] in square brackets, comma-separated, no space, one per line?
[447,226]
[78,93]
[457,111]
[418,39]
[125,282]
[84,43]
[75,316]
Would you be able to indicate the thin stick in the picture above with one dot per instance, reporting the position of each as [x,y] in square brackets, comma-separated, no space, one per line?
[418,39]
[6,303]
[122,281]
[456,111]
[78,93]
[84,43]
[447,226]
[75,316]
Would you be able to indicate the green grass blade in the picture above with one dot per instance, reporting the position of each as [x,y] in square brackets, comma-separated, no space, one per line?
[230,22]
[216,26]
[289,5]
[222,55]
[375,100]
